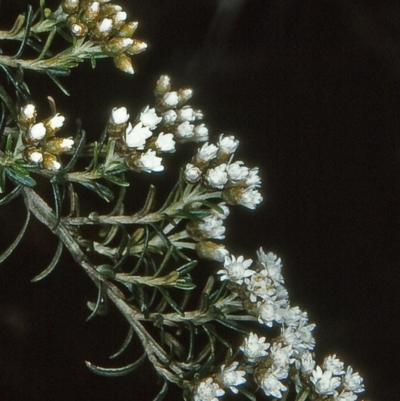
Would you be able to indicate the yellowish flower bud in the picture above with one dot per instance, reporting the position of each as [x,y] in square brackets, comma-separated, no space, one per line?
[27,116]
[211,251]
[91,14]
[124,63]
[32,155]
[128,29]
[79,29]
[50,162]
[57,146]
[116,46]
[137,47]
[70,6]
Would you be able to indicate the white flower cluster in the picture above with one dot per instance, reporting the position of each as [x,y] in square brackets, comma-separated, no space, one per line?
[139,143]
[40,145]
[212,166]
[178,117]
[211,226]
[260,285]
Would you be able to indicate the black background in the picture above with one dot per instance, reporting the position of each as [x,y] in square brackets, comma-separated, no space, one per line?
[311,89]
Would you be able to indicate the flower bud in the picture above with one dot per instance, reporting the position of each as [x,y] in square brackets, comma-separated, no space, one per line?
[118,122]
[79,29]
[36,133]
[211,251]
[128,29]
[70,6]
[109,9]
[57,146]
[124,63]
[50,162]
[32,155]
[137,47]
[27,116]
[116,46]
[91,14]
[119,19]
[163,85]
[53,124]
[102,30]
[185,94]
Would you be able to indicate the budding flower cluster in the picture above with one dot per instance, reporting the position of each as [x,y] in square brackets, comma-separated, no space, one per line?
[40,145]
[105,24]
[157,129]
[213,168]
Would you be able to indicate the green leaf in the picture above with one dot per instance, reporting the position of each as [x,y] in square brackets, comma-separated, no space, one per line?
[52,264]
[12,195]
[116,180]
[186,268]
[57,82]
[170,301]
[185,284]
[246,393]
[99,301]
[100,190]
[17,240]
[163,392]
[20,175]
[2,179]
[125,344]
[116,372]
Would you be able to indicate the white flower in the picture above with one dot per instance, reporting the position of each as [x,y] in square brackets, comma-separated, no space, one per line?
[236,269]
[323,382]
[184,130]
[272,264]
[333,364]
[254,347]
[29,111]
[295,317]
[171,99]
[272,386]
[207,152]
[237,172]
[306,363]
[169,117]
[192,173]
[165,142]
[66,144]
[201,133]
[212,227]
[56,121]
[120,16]
[353,381]
[208,391]
[119,115]
[149,118]
[345,396]
[281,356]
[232,377]
[186,113]
[216,177]
[227,144]
[105,25]
[150,162]
[259,285]
[250,198]
[253,179]
[163,84]
[35,156]
[37,131]
[135,137]
[268,312]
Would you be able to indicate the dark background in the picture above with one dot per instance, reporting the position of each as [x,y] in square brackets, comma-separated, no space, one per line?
[311,89]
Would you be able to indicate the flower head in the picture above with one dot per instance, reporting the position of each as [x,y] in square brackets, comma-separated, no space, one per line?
[149,118]
[271,385]
[119,115]
[216,177]
[333,364]
[324,381]
[208,391]
[236,270]
[231,377]
[353,381]
[135,137]
[150,162]
[254,347]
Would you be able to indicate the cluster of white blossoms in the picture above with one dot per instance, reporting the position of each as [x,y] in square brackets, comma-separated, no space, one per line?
[39,144]
[284,360]
[214,169]
[157,129]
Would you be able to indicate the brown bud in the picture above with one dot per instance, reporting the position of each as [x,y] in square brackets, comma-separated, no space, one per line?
[50,162]
[70,6]
[57,146]
[32,155]
[128,29]
[116,46]
[124,63]
[137,47]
